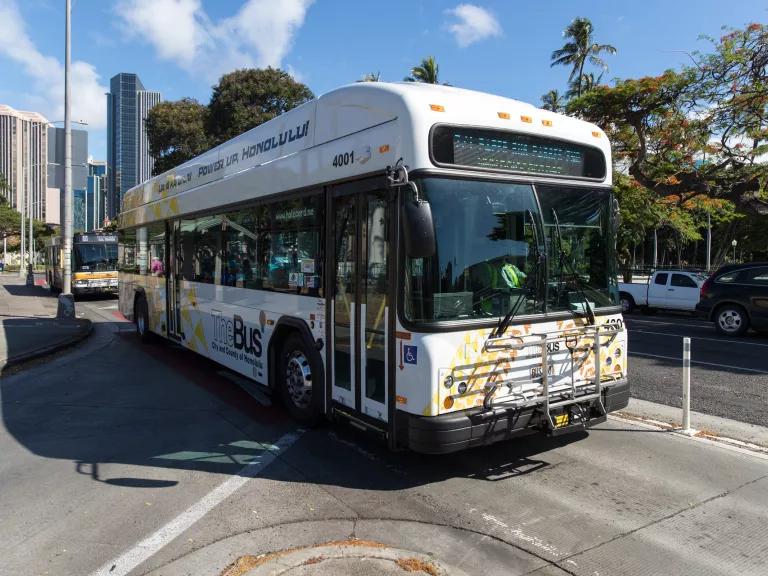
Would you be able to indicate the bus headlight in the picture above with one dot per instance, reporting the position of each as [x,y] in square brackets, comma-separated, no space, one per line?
[448,381]
[462,387]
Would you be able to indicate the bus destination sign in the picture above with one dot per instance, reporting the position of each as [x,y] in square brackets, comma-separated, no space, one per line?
[515,152]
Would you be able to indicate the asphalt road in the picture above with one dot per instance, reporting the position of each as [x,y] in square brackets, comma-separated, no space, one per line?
[125,458]
[729,376]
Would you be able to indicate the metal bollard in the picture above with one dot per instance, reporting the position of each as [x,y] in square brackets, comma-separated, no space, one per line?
[686,385]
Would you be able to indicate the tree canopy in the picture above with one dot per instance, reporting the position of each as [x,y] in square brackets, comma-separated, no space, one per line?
[246,98]
[243,99]
[177,132]
[695,132]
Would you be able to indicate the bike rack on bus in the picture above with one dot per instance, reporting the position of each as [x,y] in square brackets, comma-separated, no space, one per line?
[570,397]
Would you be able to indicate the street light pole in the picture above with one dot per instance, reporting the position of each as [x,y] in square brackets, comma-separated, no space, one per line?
[734,243]
[67,228]
[30,245]
[20,200]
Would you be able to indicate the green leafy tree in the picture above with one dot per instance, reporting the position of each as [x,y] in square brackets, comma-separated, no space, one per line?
[553,101]
[177,132]
[695,138]
[579,49]
[10,221]
[426,72]
[246,98]
[3,189]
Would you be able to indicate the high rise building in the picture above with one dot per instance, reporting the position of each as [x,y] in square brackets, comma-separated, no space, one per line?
[56,154]
[23,158]
[128,159]
[96,195]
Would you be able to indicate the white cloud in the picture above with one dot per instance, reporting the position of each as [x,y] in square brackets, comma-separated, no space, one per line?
[474,24]
[47,74]
[260,34]
[174,27]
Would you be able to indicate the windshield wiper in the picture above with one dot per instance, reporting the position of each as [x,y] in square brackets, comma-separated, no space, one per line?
[504,323]
[562,259]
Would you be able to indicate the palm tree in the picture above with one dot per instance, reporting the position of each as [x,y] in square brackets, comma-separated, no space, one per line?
[553,101]
[588,82]
[579,49]
[371,77]
[425,72]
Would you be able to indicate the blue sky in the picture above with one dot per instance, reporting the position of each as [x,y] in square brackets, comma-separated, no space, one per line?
[180,47]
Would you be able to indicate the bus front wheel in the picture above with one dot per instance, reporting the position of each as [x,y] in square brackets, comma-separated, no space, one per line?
[298,381]
[141,317]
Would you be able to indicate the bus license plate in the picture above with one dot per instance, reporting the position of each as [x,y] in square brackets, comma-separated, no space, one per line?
[561,420]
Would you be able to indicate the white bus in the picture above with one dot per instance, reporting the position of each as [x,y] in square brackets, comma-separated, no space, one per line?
[432,263]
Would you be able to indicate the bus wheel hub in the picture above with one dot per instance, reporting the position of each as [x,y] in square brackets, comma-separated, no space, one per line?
[298,378]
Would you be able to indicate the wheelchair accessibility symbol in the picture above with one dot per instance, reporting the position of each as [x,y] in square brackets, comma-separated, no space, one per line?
[410,354]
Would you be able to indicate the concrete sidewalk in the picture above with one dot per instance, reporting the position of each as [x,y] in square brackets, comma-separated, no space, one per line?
[28,324]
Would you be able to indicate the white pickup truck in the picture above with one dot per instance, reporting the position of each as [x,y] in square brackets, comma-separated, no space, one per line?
[668,289]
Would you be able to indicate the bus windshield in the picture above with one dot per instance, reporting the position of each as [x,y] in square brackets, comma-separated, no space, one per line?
[95,257]
[487,246]
[580,253]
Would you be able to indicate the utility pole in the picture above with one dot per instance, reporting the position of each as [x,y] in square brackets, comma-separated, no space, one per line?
[20,200]
[66,299]
[30,245]
[67,228]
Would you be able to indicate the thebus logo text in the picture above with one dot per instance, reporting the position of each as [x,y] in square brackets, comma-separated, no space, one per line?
[236,334]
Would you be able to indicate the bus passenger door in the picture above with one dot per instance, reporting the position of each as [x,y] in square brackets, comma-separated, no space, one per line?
[360,303]
[173,278]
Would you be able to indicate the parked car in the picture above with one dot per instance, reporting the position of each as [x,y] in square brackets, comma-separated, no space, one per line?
[667,289]
[735,298]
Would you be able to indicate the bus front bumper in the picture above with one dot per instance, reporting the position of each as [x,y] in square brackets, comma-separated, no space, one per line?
[477,427]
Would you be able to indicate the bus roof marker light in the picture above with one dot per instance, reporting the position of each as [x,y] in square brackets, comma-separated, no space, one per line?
[595,133]
[383,148]
[437,108]
[546,123]
[504,115]
[526,119]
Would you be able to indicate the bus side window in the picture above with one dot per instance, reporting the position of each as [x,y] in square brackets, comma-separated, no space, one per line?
[127,251]
[156,241]
[207,246]
[294,259]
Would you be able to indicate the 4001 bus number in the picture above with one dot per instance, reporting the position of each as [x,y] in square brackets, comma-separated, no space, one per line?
[344,159]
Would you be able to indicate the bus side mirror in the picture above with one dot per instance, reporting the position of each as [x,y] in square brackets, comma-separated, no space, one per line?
[418,228]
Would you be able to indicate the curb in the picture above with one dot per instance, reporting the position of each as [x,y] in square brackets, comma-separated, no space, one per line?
[47,350]
[339,558]
[715,428]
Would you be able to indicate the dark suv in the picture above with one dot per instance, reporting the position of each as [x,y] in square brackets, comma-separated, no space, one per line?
[735,298]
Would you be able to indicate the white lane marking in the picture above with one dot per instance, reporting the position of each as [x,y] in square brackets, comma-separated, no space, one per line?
[112,307]
[726,340]
[155,542]
[699,362]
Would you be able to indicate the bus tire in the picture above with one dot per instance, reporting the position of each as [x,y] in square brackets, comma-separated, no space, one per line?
[299,380]
[141,318]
